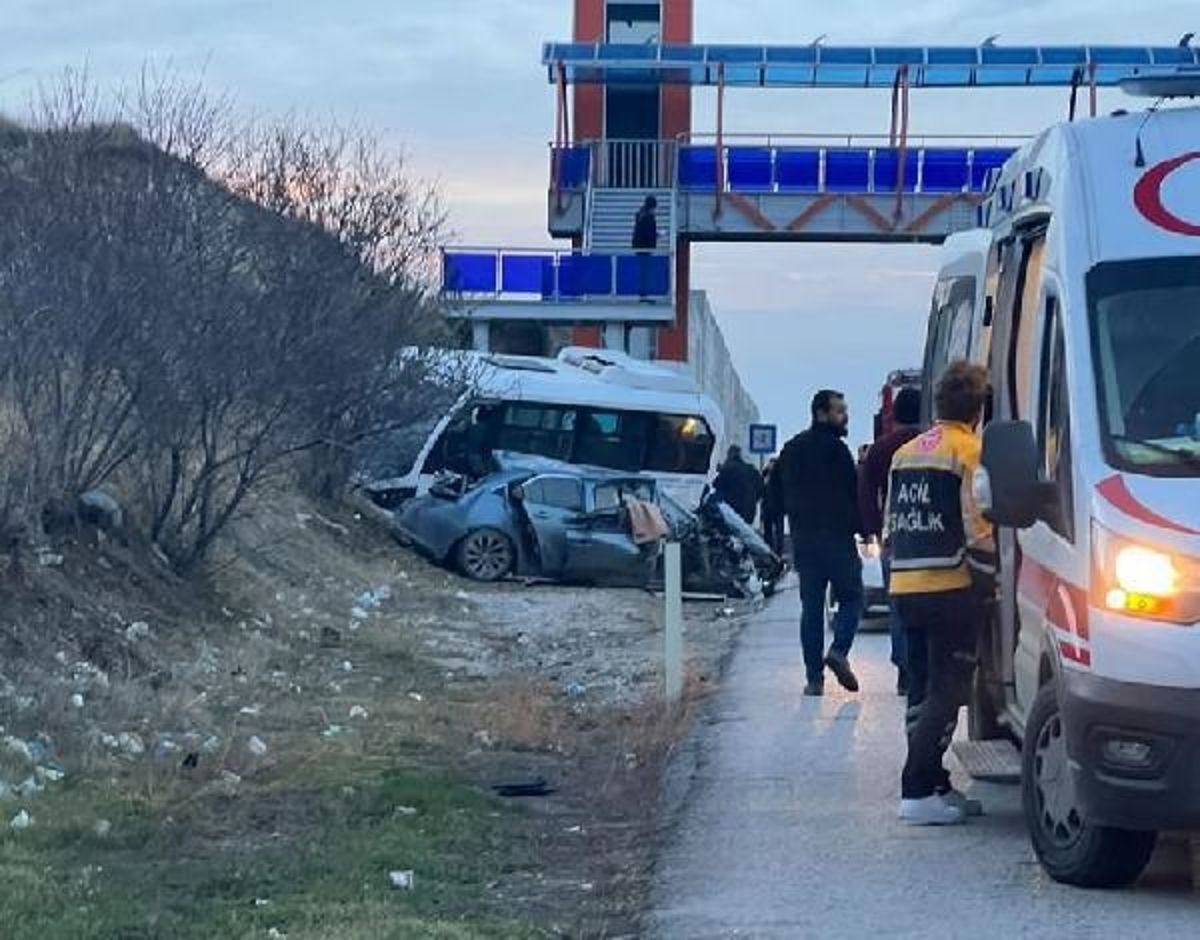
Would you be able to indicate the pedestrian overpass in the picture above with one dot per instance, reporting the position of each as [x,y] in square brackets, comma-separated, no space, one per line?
[887,188]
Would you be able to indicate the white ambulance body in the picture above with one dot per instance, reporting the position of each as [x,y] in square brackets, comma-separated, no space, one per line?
[1090,329]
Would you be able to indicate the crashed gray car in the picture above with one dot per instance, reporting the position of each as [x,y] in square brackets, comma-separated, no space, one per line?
[543,519]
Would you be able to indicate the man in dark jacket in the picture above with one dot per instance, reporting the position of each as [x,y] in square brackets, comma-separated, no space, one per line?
[739,484]
[872,497]
[772,508]
[645,243]
[820,490]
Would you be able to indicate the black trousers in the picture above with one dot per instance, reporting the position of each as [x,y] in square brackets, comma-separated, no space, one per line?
[773,531]
[943,635]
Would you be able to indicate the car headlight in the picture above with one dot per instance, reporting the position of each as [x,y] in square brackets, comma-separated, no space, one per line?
[1144,581]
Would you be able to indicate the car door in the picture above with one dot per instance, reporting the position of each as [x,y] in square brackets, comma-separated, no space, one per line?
[552,504]
[600,547]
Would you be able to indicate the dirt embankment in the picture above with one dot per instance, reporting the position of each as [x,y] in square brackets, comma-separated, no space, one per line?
[255,757]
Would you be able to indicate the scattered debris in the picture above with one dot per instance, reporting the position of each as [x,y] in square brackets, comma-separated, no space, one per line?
[49,559]
[330,636]
[357,613]
[484,738]
[401,879]
[416,696]
[250,710]
[576,690]
[211,744]
[332,731]
[276,934]
[257,746]
[102,828]
[357,711]
[50,774]
[131,743]
[21,821]
[138,630]
[262,902]
[535,787]
[347,666]
[77,700]
[28,787]
[19,748]
[404,811]
[191,761]
[98,508]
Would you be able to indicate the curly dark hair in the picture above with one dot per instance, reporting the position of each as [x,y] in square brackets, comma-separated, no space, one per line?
[961,392]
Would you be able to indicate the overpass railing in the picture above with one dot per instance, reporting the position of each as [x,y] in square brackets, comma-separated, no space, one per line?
[841,165]
[817,164]
[520,274]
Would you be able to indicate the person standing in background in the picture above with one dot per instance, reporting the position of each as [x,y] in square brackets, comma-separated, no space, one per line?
[873,474]
[645,243]
[772,507]
[739,484]
[820,490]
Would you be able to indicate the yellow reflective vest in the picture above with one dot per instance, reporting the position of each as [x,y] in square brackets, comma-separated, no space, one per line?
[937,538]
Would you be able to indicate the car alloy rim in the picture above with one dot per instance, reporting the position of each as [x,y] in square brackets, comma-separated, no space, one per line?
[1053,786]
[487,555]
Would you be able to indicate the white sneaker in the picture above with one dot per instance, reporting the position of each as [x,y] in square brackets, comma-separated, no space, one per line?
[931,811]
[969,806]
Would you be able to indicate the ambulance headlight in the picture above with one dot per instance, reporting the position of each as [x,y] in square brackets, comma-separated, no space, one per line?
[1143,580]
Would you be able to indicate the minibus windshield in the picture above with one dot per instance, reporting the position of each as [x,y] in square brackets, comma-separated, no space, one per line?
[1145,325]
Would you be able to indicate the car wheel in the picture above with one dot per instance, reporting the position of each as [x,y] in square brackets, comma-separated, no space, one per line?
[1071,849]
[485,555]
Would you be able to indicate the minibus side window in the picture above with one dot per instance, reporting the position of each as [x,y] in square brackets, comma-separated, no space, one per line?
[1054,425]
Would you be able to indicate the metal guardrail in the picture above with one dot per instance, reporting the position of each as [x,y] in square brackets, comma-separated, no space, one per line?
[553,276]
[614,164]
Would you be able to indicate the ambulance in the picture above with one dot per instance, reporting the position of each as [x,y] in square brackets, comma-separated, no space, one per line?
[1081,295]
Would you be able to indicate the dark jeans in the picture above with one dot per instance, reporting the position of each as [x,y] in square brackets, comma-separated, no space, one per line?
[821,565]
[942,634]
[645,274]
[773,532]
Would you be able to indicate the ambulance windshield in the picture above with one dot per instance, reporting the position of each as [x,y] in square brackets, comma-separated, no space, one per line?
[1145,322]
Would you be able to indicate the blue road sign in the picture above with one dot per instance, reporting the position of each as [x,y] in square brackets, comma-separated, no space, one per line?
[762,438]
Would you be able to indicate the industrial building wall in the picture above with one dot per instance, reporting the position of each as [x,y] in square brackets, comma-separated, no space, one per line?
[713,370]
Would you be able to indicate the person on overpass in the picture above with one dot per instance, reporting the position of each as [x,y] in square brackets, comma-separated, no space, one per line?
[820,491]
[645,243]
[739,484]
[872,497]
[943,571]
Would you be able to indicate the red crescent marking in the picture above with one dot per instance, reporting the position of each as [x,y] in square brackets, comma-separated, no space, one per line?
[1147,196]
[1116,491]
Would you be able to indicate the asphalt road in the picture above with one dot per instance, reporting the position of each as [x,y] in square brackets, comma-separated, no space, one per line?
[787,825]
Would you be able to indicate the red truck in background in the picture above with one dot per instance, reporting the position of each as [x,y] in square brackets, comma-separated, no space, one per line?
[900,378]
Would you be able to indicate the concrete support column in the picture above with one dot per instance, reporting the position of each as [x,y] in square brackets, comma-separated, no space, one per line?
[614,336]
[481,335]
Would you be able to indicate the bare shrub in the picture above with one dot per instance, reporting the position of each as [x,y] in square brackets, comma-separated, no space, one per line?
[189,303]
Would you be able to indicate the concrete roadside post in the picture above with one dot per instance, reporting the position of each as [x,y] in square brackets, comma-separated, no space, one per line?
[673,622]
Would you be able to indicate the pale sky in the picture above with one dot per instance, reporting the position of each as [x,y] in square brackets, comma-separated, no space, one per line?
[458,85]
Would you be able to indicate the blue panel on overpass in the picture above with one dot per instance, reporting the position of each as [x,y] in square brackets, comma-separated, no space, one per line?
[863,66]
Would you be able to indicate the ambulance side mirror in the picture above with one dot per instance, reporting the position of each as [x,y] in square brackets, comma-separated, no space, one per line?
[1008,490]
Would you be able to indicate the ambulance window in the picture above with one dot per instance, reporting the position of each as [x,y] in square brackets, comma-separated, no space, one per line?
[961,313]
[1023,363]
[1054,425]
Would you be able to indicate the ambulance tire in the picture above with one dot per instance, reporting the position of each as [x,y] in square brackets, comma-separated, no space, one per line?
[1071,850]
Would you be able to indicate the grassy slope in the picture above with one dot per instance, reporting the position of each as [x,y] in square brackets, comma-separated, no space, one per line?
[156,875]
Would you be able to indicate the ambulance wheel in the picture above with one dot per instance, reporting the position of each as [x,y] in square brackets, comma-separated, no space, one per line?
[1071,849]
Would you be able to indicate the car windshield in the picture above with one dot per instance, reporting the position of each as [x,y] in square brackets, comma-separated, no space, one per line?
[1145,320]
